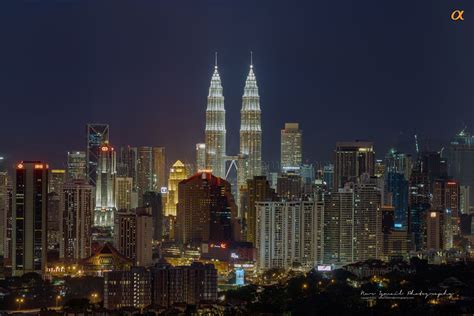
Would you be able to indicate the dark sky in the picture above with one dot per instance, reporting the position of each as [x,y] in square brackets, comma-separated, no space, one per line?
[344,70]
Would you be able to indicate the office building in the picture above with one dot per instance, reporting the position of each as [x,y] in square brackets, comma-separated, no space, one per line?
[29,231]
[77,206]
[250,156]
[4,213]
[159,168]
[200,157]
[153,201]
[397,162]
[289,186]
[206,210]
[353,159]
[397,185]
[56,180]
[97,135]
[291,147]
[123,193]
[145,175]
[177,174]
[127,161]
[76,165]
[104,198]
[215,132]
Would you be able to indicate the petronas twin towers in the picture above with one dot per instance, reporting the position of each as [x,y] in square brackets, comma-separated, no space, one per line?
[250,156]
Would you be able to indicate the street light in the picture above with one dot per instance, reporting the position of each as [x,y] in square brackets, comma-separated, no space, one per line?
[19,301]
[94,296]
[58,298]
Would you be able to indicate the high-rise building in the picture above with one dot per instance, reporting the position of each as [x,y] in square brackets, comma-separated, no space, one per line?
[339,244]
[134,235]
[177,174]
[206,210]
[215,133]
[396,162]
[289,186]
[152,200]
[250,131]
[258,190]
[127,289]
[285,234]
[353,159]
[200,157]
[184,284]
[29,231]
[397,185]
[97,135]
[291,147]
[144,172]
[367,219]
[460,159]
[56,180]
[144,238]
[104,198]
[123,193]
[127,164]
[54,220]
[433,241]
[76,165]
[159,168]
[4,208]
[328,175]
[77,205]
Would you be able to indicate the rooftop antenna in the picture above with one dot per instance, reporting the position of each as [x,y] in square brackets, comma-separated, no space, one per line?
[215,65]
[251,59]
[416,144]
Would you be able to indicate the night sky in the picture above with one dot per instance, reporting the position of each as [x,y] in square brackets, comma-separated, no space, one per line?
[377,70]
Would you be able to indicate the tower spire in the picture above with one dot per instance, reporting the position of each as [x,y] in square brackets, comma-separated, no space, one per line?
[215,65]
[251,59]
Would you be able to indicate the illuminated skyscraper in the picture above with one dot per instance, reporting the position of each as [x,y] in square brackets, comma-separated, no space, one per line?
[29,231]
[159,168]
[144,172]
[56,180]
[206,210]
[177,174]
[127,164]
[97,134]
[76,165]
[76,220]
[4,208]
[291,147]
[123,193]
[250,131]
[215,132]
[353,159]
[106,172]
[200,157]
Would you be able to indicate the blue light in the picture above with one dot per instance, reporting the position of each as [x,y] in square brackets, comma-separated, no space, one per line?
[397,225]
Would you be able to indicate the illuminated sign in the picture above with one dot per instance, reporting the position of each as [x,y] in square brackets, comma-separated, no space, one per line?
[324,267]
[398,225]
[234,255]
[164,190]
[239,277]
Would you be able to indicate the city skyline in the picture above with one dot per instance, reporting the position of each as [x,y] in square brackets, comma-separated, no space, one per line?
[301,79]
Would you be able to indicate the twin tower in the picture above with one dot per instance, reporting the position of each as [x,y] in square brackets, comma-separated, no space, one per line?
[250,156]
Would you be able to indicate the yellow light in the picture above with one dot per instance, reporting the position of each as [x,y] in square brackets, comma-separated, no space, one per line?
[433,214]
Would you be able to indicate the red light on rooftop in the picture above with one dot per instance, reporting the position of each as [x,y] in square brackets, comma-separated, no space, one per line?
[39,166]
[105,148]
[223,246]
[19,166]
[451,183]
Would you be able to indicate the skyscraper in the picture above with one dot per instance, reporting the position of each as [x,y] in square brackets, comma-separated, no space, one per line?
[285,234]
[177,174]
[144,172]
[153,200]
[258,190]
[206,210]
[29,231]
[4,208]
[460,158]
[127,164]
[291,147]
[200,157]
[159,168]
[56,180]
[250,130]
[352,159]
[215,133]
[76,220]
[123,193]
[106,172]
[76,165]
[97,134]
